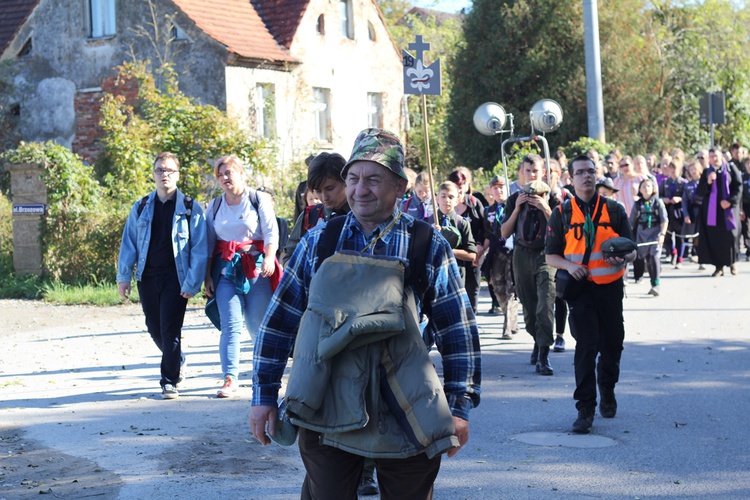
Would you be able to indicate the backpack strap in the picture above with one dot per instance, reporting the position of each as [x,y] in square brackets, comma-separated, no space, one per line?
[329,238]
[217,203]
[416,272]
[253,195]
[142,205]
[421,237]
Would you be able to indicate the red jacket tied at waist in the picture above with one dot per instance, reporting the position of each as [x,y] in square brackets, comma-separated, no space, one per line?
[227,249]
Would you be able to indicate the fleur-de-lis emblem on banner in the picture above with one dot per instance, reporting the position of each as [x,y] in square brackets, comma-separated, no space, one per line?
[419,78]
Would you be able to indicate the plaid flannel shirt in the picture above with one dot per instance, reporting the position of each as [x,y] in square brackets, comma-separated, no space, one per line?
[452,323]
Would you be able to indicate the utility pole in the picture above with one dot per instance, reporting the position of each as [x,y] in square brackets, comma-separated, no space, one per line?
[593,70]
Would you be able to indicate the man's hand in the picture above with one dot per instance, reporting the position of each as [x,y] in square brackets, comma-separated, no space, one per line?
[462,433]
[615,261]
[522,198]
[725,204]
[578,271]
[259,415]
[123,288]
[540,203]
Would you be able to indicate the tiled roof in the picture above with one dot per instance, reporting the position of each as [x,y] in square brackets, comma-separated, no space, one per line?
[440,17]
[237,25]
[282,17]
[13,13]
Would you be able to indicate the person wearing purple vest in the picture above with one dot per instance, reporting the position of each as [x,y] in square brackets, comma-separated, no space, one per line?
[720,187]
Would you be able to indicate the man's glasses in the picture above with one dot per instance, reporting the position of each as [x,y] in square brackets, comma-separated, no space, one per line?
[701,157]
[624,165]
[590,172]
[165,173]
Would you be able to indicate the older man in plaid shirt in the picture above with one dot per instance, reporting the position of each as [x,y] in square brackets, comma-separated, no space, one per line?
[375,181]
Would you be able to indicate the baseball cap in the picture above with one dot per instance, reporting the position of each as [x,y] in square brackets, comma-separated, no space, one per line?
[497,179]
[607,183]
[535,187]
[382,147]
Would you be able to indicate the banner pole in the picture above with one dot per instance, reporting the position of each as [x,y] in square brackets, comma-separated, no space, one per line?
[429,161]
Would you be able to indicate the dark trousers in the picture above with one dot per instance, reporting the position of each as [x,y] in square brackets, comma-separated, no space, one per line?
[561,315]
[745,228]
[333,474]
[164,309]
[535,287]
[472,283]
[597,324]
[639,267]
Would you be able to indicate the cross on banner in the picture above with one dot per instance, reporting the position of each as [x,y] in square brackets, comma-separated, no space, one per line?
[418,78]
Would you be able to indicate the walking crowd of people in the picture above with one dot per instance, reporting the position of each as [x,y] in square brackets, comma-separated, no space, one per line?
[375,274]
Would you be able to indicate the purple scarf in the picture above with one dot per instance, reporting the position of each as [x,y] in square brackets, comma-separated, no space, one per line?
[722,180]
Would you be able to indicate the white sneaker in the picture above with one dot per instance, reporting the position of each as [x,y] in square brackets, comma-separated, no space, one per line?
[229,388]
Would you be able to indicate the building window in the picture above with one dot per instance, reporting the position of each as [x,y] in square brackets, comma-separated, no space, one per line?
[374,109]
[265,110]
[346,16]
[322,114]
[26,49]
[102,18]
[371,31]
[321,26]
[176,33]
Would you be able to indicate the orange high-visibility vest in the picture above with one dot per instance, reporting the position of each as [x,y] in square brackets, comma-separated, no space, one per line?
[600,272]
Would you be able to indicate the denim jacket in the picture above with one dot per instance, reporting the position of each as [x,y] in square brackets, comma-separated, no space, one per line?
[188,244]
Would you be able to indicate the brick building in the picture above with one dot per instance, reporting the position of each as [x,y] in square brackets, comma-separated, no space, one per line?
[306,74]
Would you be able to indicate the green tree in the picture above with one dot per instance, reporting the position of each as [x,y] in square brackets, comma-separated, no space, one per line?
[444,36]
[164,119]
[515,53]
[700,47]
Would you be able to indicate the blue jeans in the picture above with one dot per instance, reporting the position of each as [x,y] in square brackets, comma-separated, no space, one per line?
[233,307]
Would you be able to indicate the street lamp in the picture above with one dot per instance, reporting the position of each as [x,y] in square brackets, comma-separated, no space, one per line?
[545,116]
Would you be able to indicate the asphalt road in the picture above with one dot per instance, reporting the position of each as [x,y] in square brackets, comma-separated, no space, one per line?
[81,414]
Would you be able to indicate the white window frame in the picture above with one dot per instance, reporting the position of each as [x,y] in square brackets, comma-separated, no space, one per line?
[346,17]
[375,109]
[322,114]
[265,110]
[102,18]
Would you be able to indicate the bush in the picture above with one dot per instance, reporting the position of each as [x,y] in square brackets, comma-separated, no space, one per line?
[167,120]
[584,144]
[6,235]
[80,233]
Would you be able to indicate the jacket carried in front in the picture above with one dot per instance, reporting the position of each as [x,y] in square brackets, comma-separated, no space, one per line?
[361,374]
[188,243]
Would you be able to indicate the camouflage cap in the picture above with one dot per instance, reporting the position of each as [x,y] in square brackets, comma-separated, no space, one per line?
[380,146]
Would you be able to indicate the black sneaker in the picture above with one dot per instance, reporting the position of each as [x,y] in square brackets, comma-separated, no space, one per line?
[608,403]
[368,487]
[585,420]
[169,391]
